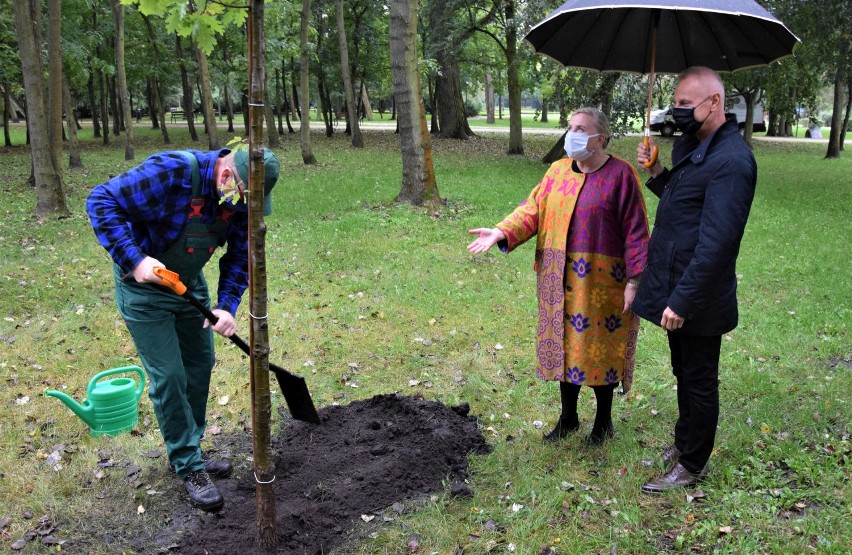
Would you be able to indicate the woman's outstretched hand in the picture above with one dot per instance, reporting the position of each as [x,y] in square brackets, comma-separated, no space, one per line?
[488,237]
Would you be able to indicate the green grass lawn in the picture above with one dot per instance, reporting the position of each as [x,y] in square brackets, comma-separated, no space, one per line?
[356,283]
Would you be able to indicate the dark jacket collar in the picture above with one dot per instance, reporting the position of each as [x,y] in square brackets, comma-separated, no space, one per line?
[695,151]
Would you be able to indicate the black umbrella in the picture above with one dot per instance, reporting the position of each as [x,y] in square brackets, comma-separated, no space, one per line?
[664,36]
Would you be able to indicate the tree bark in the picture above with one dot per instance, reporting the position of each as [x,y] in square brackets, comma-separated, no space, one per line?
[104,110]
[188,91]
[448,95]
[93,105]
[156,107]
[117,124]
[274,142]
[833,150]
[121,75]
[489,98]
[304,85]
[287,103]
[54,83]
[207,101]
[418,175]
[278,101]
[346,72]
[261,406]
[50,194]
[7,109]
[516,138]
[74,159]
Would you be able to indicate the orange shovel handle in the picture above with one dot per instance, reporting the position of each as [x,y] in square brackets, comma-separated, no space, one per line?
[654,151]
[171,280]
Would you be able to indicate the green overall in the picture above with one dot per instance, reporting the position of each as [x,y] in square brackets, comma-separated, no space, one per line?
[176,351]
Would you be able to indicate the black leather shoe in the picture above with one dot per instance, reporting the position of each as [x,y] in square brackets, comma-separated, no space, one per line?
[670,456]
[562,429]
[677,477]
[203,493]
[216,468]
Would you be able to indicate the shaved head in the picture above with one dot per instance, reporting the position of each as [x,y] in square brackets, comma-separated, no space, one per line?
[701,88]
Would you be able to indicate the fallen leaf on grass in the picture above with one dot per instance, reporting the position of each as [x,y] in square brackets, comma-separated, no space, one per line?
[18,545]
[413,383]
[693,495]
[22,399]
[140,510]
[413,543]
[367,518]
[223,400]
[156,454]
[725,530]
[214,430]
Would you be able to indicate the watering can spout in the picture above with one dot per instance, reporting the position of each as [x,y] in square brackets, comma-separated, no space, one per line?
[85,411]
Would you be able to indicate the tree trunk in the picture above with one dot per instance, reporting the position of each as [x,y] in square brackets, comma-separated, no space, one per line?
[93,105]
[544,102]
[433,109]
[346,72]
[261,398]
[207,101]
[7,109]
[102,85]
[304,86]
[229,107]
[846,116]
[448,95]
[186,87]
[274,141]
[155,105]
[278,101]
[54,83]
[50,194]
[114,106]
[364,105]
[74,159]
[418,175]
[833,150]
[121,75]
[489,98]
[516,139]
[287,103]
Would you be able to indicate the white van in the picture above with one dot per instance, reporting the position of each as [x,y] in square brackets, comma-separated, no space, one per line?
[737,106]
[662,122]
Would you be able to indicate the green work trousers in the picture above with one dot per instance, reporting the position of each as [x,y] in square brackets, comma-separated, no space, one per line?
[177,353]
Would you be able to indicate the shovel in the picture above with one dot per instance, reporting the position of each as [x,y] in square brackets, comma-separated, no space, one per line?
[293,387]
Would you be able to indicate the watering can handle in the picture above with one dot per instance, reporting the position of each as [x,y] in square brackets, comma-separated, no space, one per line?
[123,370]
[652,147]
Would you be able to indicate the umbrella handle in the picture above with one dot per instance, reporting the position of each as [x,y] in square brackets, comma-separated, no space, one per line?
[653,149]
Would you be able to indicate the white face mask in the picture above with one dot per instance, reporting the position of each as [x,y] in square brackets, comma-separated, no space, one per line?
[575,145]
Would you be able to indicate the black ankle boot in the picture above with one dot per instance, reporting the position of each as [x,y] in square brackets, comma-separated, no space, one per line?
[564,426]
[600,434]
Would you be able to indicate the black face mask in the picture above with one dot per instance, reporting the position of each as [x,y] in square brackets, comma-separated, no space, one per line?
[684,119]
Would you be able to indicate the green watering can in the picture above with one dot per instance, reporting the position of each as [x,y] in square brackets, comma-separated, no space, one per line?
[111,407]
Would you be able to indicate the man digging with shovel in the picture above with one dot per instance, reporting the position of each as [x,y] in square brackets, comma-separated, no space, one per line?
[172,211]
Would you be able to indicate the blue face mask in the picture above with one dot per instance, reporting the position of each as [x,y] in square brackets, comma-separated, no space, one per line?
[576,143]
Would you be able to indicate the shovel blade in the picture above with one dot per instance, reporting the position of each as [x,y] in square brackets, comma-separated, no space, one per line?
[295,392]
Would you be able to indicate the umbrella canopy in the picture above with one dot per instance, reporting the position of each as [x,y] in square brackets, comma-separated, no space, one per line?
[724,35]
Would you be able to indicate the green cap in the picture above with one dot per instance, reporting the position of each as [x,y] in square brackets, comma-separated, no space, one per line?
[270,174]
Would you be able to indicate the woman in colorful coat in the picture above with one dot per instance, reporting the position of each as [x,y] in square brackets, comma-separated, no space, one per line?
[591,229]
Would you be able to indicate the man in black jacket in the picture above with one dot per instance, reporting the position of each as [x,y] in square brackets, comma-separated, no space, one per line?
[689,286]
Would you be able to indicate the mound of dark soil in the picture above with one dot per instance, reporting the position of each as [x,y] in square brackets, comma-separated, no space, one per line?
[362,459]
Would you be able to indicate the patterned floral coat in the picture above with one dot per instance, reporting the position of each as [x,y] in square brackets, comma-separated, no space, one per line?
[591,237]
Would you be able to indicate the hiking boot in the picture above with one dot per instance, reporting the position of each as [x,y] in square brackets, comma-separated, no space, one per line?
[203,493]
[562,429]
[216,468]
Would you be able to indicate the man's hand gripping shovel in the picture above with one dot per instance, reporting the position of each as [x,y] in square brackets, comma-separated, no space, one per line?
[293,387]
